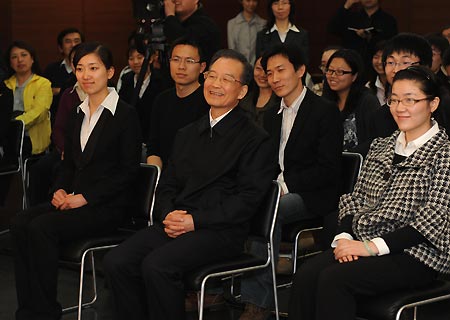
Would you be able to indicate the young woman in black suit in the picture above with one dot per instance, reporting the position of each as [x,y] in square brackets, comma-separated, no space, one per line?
[101,160]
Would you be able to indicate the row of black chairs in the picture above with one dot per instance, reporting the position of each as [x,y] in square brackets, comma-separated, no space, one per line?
[389,306]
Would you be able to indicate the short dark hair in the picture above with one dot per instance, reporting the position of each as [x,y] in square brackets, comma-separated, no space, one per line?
[429,83]
[438,41]
[292,53]
[94,47]
[189,41]
[247,73]
[65,32]
[410,43]
[35,68]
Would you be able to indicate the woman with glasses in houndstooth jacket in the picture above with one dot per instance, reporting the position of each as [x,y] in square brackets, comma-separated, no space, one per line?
[394,229]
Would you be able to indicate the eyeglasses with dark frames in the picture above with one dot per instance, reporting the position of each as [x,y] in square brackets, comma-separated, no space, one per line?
[337,72]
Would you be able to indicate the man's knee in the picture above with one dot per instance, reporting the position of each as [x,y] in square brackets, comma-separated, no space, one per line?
[115,263]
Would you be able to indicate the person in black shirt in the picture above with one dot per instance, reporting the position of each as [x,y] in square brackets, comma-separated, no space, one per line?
[362,29]
[60,73]
[176,107]
[187,18]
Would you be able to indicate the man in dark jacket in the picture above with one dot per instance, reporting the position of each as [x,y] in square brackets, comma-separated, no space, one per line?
[308,130]
[220,169]
[363,28]
[187,18]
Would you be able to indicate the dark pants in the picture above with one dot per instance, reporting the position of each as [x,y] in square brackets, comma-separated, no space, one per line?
[37,235]
[325,289]
[146,271]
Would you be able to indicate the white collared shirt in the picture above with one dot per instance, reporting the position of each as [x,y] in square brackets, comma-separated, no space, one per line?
[68,67]
[289,115]
[215,121]
[281,34]
[404,149]
[89,120]
[144,86]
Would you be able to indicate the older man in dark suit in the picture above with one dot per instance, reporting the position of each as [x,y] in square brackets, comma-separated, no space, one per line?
[309,132]
[219,171]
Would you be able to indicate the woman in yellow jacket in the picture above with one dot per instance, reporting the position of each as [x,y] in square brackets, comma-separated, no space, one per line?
[32,96]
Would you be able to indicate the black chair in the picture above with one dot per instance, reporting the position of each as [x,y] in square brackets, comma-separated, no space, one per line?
[12,162]
[392,305]
[292,232]
[78,251]
[262,228]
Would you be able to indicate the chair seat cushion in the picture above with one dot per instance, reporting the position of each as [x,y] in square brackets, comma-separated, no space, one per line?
[290,230]
[73,251]
[385,307]
[193,279]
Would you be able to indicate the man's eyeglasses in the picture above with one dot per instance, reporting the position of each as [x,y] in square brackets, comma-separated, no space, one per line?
[177,59]
[402,64]
[407,102]
[225,79]
[337,72]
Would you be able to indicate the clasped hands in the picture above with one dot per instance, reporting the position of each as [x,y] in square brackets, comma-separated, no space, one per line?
[350,250]
[177,223]
[63,201]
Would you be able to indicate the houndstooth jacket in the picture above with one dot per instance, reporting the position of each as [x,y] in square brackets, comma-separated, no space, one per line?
[415,192]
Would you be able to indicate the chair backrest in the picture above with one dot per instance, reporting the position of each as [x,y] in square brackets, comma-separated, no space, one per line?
[351,166]
[144,190]
[263,223]
[13,147]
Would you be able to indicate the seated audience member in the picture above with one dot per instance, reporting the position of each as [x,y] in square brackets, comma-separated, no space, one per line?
[438,46]
[188,18]
[446,33]
[377,78]
[362,29]
[394,231]
[346,87]
[326,54]
[260,97]
[280,29]
[43,172]
[177,107]
[151,87]
[400,52]
[220,169]
[60,72]
[308,132]
[32,96]
[93,192]
[242,30]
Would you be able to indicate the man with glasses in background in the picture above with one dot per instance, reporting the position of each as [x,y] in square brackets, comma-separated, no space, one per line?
[176,107]
[220,169]
[402,51]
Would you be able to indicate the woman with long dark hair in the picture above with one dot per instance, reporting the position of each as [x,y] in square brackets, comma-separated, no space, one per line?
[345,86]
[281,28]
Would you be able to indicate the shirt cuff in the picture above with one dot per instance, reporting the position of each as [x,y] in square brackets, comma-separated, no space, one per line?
[381,246]
[342,235]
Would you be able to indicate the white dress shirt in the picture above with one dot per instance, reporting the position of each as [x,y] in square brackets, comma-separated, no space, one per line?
[89,120]
[289,115]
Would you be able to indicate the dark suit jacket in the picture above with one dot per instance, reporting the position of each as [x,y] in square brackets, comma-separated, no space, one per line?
[266,40]
[312,157]
[218,175]
[104,172]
